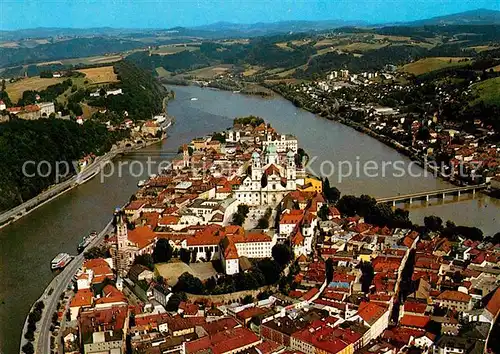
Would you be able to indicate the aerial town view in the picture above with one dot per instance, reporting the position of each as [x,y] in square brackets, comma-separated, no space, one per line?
[255,177]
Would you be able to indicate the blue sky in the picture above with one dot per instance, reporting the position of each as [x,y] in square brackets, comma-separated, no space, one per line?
[15,14]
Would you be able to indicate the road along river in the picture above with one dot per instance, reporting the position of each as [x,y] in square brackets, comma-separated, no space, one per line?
[27,246]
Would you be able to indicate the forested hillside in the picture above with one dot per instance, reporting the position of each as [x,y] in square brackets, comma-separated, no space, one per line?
[73,48]
[48,140]
[142,95]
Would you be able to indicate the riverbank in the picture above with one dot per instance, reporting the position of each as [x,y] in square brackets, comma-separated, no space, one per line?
[59,189]
[51,296]
[394,144]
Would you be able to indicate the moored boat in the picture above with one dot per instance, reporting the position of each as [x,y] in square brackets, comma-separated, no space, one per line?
[60,261]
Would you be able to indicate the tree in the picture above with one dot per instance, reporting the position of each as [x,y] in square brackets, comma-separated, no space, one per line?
[241,214]
[433,223]
[96,252]
[332,194]
[189,283]
[263,223]
[270,269]
[367,276]
[248,299]
[28,348]
[29,336]
[323,212]
[145,260]
[163,251]
[329,270]
[347,205]
[282,254]
[175,300]
[496,238]
[185,255]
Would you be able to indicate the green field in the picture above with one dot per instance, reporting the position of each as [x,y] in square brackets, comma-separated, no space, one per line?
[170,49]
[488,91]
[424,66]
[162,72]
[210,72]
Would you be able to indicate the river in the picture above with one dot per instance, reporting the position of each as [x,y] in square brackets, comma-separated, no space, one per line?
[27,246]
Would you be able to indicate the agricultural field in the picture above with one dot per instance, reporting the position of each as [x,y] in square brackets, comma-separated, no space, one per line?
[391,38]
[360,46]
[168,50]
[488,91]
[103,74]
[496,68]
[16,89]
[162,72]
[9,45]
[427,65]
[323,42]
[252,70]
[284,45]
[482,48]
[210,71]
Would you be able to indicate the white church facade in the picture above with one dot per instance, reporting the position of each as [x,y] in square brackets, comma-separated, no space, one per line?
[270,179]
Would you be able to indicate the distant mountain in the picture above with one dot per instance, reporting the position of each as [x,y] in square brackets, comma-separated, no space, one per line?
[54,32]
[473,17]
[262,28]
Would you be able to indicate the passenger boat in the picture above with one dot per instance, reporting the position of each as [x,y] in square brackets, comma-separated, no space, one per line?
[60,261]
[86,241]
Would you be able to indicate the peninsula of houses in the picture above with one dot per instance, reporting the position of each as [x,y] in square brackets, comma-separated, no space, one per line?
[236,249]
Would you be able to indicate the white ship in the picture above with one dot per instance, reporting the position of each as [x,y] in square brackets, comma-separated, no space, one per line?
[60,261]
[194,99]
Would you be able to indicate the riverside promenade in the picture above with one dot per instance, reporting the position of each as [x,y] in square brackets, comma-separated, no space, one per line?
[56,190]
[51,296]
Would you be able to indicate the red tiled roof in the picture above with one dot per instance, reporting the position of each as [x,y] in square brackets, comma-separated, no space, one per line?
[370,312]
[452,295]
[250,312]
[414,321]
[141,236]
[493,306]
[188,308]
[225,341]
[230,251]
[267,347]
[83,297]
[168,220]
[414,307]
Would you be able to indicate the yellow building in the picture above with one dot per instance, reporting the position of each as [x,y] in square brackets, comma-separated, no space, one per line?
[312,184]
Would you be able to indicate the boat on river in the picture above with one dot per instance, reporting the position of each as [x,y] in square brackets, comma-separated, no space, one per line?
[86,240]
[60,261]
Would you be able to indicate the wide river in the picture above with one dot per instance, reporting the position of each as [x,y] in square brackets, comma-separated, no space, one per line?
[27,246]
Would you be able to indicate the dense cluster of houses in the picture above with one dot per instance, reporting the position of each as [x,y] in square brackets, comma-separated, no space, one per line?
[355,287]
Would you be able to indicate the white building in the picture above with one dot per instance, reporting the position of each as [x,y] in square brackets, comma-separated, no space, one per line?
[268,184]
[283,142]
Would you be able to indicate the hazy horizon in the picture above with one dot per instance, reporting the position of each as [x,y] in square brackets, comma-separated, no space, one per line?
[140,14]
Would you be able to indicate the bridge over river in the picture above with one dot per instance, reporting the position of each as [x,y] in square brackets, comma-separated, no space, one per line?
[438,193]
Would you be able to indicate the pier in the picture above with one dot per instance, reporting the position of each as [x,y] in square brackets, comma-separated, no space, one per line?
[436,194]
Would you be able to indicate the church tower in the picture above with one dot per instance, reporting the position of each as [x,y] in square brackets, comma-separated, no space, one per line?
[271,155]
[122,251]
[185,155]
[291,171]
[256,167]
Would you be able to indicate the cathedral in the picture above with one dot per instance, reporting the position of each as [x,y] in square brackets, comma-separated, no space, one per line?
[130,244]
[272,176]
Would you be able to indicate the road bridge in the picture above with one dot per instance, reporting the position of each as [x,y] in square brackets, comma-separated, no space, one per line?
[438,193]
